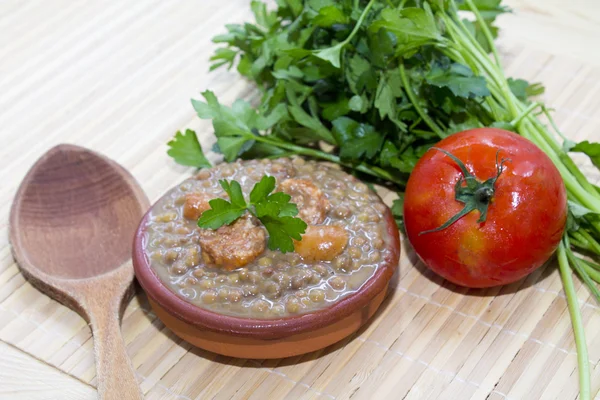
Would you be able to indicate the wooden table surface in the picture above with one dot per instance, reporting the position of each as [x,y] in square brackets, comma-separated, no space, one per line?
[117,77]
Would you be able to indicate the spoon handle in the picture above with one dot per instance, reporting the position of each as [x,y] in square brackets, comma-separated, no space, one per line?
[116,377]
[114,370]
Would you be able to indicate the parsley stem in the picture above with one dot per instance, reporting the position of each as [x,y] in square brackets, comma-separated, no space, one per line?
[413,99]
[581,245]
[593,243]
[591,264]
[577,322]
[525,113]
[580,269]
[372,170]
[486,32]
[546,112]
[358,23]
[343,43]
[592,272]
[576,172]
[496,70]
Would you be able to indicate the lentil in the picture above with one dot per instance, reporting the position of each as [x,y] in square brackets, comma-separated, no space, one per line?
[317,295]
[209,296]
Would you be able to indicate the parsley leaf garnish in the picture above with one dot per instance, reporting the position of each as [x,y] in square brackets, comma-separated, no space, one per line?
[221,213]
[261,190]
[234,191]
[282,230]
[274,210]
[186,150]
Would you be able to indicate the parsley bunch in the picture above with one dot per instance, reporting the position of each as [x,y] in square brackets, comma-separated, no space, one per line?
[274,210]
[377,80]
[372,85]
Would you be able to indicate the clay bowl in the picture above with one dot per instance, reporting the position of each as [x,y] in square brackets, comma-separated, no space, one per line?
[265,338]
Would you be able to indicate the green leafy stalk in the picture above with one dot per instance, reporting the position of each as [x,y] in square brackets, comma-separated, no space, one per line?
[581,269]
[589,242]
[413,98]
[333,54]
[577,322]
[590,269]
[591,264]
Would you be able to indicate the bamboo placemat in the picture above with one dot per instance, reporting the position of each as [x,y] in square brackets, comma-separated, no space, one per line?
[139,63]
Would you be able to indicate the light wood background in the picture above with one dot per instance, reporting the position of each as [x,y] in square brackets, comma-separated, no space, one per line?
[117,77]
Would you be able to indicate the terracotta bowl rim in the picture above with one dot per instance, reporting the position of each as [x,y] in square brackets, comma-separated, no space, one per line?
[263,328]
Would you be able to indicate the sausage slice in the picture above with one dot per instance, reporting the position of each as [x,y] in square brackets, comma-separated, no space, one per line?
[233,246]
[312,203]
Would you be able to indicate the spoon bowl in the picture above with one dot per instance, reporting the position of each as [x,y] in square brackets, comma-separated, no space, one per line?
[72,223]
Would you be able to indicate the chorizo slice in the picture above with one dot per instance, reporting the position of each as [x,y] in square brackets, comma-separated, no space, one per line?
[312,203]
[233,246]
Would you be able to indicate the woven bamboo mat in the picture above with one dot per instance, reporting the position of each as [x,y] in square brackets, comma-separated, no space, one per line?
[139,65]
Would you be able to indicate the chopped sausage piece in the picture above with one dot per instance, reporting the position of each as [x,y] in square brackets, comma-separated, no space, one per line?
[312,203]
[233,246]
[322,243]
[195,205]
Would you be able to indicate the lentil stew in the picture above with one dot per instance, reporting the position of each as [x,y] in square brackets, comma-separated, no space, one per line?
[231,272]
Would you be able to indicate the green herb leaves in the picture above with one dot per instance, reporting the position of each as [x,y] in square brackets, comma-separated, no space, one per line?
[591,149]
[221,213]
[186,150]
[356,140]
[330,73]
[329,16]
[282,230]
[274,210]
[235,127]
[413,27]
[459,79]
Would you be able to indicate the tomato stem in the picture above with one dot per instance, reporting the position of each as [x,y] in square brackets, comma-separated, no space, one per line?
[475,195]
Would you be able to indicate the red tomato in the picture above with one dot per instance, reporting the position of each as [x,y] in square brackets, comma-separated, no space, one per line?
[526,215]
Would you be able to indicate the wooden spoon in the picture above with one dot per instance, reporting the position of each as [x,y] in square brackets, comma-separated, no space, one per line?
[71,228]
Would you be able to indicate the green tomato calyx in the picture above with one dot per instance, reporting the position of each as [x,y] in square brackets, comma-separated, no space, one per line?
[474,194]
